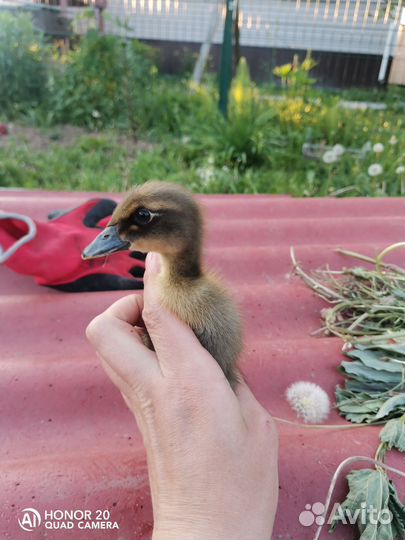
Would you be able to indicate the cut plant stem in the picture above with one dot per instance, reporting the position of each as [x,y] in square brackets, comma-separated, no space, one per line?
[365,302]
[365,258]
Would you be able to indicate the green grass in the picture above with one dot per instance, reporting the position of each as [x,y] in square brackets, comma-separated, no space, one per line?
[89,164]
[209,156]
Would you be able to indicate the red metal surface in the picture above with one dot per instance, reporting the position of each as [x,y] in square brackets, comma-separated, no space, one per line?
[68,441]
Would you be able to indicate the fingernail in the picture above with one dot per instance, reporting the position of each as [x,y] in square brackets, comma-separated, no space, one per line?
[153,263]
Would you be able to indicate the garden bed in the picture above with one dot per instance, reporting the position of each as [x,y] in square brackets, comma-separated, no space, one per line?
[112,88]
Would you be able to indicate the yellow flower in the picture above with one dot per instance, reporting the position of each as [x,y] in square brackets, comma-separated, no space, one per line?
[282,71]
[242,90]
[237,93]
[308,63]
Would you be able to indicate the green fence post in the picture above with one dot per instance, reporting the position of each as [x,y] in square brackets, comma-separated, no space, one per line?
[225,74]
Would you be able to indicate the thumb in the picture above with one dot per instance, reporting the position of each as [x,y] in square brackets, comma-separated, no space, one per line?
[154,314]
[152,294]
[174,342]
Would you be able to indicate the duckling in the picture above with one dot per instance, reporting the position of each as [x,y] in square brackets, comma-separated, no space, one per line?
[165,218]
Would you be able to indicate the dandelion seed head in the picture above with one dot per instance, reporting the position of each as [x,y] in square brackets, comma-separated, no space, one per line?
[378,148]
[309,401]
[329,157]
[375,169]
[400,169]
[338,150]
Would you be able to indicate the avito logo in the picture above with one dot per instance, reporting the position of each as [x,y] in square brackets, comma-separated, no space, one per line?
[30,520]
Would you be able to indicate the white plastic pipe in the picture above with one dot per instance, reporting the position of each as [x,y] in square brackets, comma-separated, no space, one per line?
[205,47]
[386,54]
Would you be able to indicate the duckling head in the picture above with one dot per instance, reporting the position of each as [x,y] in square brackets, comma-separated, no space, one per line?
[155,216]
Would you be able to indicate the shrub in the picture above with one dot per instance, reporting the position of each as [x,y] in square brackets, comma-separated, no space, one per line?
[23,63]
[99,83]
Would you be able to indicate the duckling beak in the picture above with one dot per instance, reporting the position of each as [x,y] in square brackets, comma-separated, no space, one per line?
[108,241]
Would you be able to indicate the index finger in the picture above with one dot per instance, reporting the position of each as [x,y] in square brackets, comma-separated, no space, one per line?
[113,335]
[128,309]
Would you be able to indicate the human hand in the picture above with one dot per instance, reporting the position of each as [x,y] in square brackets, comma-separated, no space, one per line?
[212,453]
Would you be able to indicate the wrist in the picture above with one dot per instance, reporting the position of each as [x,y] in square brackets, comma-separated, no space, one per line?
[184,524]
[199,528]
[185,532]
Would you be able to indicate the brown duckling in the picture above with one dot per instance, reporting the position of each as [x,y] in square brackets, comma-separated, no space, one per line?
[165,218]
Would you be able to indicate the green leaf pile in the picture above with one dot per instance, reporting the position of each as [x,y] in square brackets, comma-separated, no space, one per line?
[374,391]
[369,314]
[373,502]
[375,383]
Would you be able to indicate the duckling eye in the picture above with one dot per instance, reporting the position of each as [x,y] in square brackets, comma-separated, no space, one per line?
[143,216]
